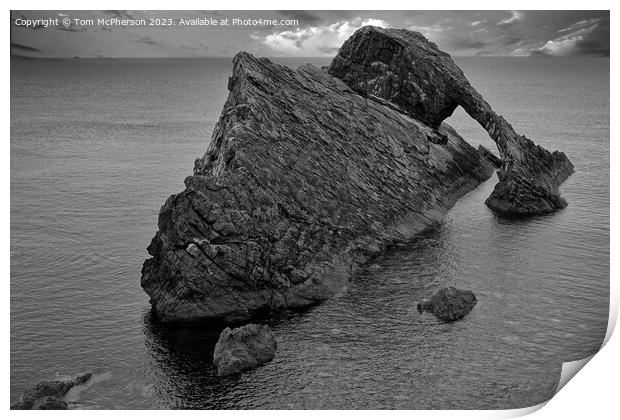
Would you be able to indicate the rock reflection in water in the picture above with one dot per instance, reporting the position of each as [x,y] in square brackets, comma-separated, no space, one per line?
[369,348]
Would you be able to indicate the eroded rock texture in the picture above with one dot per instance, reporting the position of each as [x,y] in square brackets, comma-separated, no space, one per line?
[49,395]
[304,180]
[490,156]
[244,348]
[406,71]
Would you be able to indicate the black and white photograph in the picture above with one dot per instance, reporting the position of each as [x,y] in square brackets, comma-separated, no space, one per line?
[306,209]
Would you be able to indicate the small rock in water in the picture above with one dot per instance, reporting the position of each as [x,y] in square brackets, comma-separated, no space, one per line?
[449,304]
[49,395]
[374,267]
[244,348]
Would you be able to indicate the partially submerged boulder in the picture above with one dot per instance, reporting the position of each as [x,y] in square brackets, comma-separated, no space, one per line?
[49,403]
[403,69]
[303,182]
[449,304]
[244,348]
[49,395]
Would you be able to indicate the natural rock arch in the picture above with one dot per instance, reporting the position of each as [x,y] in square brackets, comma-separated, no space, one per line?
[409,72]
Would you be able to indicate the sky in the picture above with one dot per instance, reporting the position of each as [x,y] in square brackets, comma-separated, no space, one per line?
[311,33]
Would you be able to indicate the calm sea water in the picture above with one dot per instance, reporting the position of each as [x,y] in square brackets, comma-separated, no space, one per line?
[98,145]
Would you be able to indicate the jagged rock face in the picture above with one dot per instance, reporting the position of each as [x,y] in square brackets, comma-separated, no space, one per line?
[490,156]
[304,180]
[409,72]
[244,348]
[399,67]
[449,304]
[529,179]
[48,395]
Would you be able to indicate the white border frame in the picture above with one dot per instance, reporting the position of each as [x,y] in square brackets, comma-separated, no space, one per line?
[593,394]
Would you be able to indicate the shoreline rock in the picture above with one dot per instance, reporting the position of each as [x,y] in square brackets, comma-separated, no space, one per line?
[49,395]
[302,183]
[244,348]
[449,304]
[405,69]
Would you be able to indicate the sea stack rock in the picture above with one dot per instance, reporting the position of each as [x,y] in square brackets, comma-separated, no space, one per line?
[403,69]
[49,395]
[304,180]
[244,348]
[449,304]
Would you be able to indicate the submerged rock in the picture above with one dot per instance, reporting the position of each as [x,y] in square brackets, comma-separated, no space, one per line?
[449,304]
[244,348]
[48,395]
[374,267]
[49,403]
[404,70]
[303,182]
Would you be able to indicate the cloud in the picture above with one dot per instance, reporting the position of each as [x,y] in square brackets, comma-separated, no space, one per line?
[146,40]
[520,52]
[509,40]
[193,48]
[321,33]
[570,47]
[71,28]
[463,43]
[581,24]
[514,17]
[39,25]
[121,14]
[429,31]
[316,41]
[304,17]
[573,43]
[23,47]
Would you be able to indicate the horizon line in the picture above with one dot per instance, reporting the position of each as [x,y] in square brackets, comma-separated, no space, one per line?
[26,57]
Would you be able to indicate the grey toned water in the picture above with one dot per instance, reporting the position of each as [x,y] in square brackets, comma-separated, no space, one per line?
[98,145]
